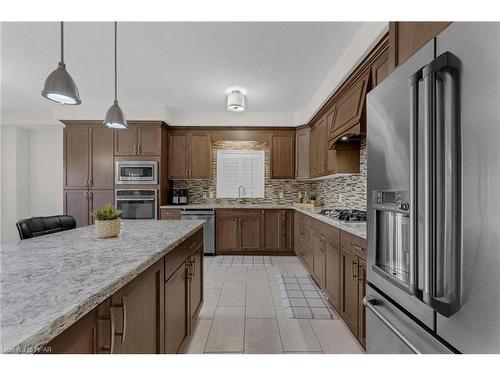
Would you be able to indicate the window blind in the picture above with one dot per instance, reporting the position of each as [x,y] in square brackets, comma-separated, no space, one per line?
[237,168]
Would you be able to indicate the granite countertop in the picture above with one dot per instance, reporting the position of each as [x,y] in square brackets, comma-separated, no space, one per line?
[356,228]
[49,282]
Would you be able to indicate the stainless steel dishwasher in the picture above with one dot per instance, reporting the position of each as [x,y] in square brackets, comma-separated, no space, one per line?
[209,229]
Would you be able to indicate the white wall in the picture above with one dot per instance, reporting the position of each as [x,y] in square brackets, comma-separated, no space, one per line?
[46,193]
[32,175]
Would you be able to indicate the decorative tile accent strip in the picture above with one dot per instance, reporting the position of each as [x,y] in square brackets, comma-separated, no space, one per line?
[289,188]
[302,299]
[353,187]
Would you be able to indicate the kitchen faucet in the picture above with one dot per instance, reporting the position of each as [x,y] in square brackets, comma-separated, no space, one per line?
[241,187]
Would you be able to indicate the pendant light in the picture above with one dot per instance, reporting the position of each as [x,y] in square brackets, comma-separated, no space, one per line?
[114,117]
[59,86]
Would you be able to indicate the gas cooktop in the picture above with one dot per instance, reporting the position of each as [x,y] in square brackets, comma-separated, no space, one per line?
[345,215]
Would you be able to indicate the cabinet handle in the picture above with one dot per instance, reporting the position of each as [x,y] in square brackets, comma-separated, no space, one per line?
[91,182]
[361,275]
[193,263]
[123,306]
[357,247]
[354,269]
[139,148]
[135,149]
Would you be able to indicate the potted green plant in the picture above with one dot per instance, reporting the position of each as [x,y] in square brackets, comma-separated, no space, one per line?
[313,197]
[107,221]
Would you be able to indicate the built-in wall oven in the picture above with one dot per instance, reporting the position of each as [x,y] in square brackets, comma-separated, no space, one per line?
[136,172]
[137,203]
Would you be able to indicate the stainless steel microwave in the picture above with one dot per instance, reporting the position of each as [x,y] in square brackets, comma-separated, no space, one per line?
[136,172]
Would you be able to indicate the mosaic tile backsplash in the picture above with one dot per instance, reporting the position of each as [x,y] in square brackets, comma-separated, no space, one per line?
[289,188]
[341,192]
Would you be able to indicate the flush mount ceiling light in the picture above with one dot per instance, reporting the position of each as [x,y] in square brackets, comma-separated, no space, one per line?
[235,99]
[114,117]
[59,86]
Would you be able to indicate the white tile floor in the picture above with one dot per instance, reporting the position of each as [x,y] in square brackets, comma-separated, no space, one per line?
[243,313]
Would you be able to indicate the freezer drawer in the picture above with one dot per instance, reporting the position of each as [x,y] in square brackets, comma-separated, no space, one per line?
[389,330]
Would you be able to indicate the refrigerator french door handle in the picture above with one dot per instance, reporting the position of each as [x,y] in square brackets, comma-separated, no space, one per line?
[442,240]
[414,82]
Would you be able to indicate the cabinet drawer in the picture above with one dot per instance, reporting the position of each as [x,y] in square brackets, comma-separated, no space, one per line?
[355,244]
[179,255]
[168,214]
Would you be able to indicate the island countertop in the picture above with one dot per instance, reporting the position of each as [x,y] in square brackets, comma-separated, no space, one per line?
[49,282]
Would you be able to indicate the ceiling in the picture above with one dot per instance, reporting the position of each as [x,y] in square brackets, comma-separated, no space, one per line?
[184,67]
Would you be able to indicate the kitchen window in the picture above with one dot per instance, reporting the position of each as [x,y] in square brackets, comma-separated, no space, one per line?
[237,168]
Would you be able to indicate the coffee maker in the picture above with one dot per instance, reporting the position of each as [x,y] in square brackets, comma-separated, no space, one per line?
[179,196]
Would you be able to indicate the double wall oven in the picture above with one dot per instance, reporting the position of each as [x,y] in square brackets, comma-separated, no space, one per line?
[132,201]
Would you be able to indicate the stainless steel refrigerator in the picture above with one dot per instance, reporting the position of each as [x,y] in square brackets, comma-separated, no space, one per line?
[433,224]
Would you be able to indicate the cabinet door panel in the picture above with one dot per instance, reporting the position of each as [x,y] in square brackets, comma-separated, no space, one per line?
[273,226]
[350,290]
[226,233]
[177,161]
[380,68]
[196,287]
[76,157]
[302,153]
[333,271]
[126,141]
[176,312]
[200,150]
[282,156]
[321,147]
[80,338]
[249,233]
[77,204]
[99,198]
[149,140]
[102,159]
[319,259]
[137,311]
[313,152]
[288,235]
[361,307]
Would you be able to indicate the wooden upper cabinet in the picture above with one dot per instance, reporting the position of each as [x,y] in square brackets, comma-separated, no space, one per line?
[349,109]
[126,141]
[302,153]
[380,68]
[190,155]
[321,147]
[177,161]
[406,38]
[200,149]
[313,153]
[101,164]
[76,157]
[149,140]
[138,139]
[283,155]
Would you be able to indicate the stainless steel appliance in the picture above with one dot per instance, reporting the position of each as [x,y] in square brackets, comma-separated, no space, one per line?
[208,230]
[433,226]
[344,215]
[183,196]
[136,172]
[137,203]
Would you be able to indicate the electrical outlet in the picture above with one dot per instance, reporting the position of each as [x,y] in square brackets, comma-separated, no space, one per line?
[341,197]
[204,195]
[211,194]
[281,195]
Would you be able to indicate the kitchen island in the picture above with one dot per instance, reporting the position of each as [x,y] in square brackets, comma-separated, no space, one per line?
[49,283]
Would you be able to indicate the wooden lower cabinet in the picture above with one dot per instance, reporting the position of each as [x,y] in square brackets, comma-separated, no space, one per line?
[361,307]
[349,290]
[333,273]
[195,277]
[176,310]
[137,313]
[153,313]
[254,231]
[319,259]
[81,204]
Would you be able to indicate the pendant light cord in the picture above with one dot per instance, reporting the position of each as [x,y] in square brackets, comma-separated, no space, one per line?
[62,41]
[116,79]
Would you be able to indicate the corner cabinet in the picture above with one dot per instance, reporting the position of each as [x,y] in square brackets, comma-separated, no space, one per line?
[283,155]
[190,155]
